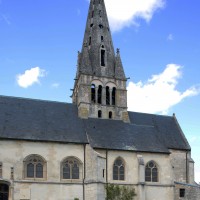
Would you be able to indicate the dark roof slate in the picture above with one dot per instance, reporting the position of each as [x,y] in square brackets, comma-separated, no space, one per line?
[168,129]
[112,134]
[38,120]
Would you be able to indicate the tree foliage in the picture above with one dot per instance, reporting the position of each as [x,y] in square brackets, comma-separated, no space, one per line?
[116,192]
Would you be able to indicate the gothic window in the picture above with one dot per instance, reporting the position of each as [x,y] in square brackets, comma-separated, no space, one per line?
[91,25]
[1,166]
[93,93]
[110,115]
[101,38]
[100,94]
[99,13]
[114,96]
[103,52]
[107,95]
[70,168]
[99,114]
[92,13]
[34,167]
[151,172]
[118,169]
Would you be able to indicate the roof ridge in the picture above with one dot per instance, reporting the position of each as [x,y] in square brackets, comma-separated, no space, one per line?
[150,114]
[32,99]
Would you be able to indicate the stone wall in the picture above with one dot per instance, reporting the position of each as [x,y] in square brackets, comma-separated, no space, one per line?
[12,155]
[192,192]
[82,97]
[95,175]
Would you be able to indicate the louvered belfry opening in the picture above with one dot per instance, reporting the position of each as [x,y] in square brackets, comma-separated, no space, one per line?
[100,82]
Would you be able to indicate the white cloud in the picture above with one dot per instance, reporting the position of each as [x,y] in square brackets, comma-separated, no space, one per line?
[170,37]
[123,13]
[30,77]
[159,93]
[197,173]
[55,85]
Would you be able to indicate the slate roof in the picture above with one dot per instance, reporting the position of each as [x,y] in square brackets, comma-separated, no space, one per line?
[38,120]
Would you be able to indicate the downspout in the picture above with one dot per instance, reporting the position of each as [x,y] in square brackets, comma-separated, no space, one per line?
[106,170]
[106,166]
[187,167]
[84,173]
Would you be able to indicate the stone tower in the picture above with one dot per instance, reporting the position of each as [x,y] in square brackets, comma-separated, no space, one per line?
[100,83]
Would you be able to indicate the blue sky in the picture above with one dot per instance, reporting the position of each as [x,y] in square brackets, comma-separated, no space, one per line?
[158,40]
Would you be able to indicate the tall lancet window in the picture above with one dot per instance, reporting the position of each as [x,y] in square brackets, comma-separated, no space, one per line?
[103,56]
[107,95]
[100,94]
[93,93]
[90,40]
[114,96]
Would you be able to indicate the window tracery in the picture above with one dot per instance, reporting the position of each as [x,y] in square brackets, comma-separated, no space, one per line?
[34,167]
[118,169]
[70,168]
[151,172]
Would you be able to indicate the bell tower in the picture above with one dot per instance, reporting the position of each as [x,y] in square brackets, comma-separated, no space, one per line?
[100,83]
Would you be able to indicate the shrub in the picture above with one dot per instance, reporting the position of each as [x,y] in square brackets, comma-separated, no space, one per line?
[116,192]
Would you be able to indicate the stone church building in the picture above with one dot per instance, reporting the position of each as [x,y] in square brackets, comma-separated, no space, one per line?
[59,151]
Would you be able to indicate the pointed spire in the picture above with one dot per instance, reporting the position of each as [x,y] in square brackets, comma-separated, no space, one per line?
[97,50]
[119,70]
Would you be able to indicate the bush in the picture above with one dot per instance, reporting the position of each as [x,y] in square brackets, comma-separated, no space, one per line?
[116,192]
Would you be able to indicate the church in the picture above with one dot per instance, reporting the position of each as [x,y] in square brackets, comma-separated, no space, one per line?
[71,151]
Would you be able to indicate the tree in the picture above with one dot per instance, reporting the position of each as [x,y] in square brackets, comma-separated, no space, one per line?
[116,192]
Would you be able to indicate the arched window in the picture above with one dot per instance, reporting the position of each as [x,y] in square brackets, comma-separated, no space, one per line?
[100,94]
[118,169]
[151,172]
[110,115]
[93,93]
[34,167]
[99,114]
[70,168]
[113,96]
[107,95]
